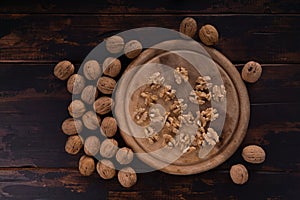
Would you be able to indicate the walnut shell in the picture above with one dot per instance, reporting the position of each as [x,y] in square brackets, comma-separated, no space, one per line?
[188,26]
[86,165]
[76,108]
[251,72]
[106,85]
[64,69]
[106,169]
[109,126]
[71,126]
[127,177]
[209,35]
[73,144]
[132,49]
[124,156]
[108,148]
[92,70]
[89,94]
[254,154]
[112,66]
[114,44]
[91,121]
[239,174]
[75,84]
[91,145]
[103,105]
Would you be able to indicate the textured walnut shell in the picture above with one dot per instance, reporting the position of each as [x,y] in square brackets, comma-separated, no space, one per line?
[89,94]
[106,169]
[103,105]
[188,26]
[76,108]
[109,126]
[124,156]
[127,177]
[251,72]
[75,84]
[86,165]
[91,145]
[73,144]
[132,49]
[90,120]
[108,148]
[209,35]
[111,66]
[254,154]
[92,70]
[114,44]
[239,174]
[64,69]
[71,126]
[106,85]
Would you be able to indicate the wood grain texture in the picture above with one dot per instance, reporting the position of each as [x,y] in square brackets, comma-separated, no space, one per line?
[53,37]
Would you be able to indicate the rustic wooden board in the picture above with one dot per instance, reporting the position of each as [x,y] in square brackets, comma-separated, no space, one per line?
[53,37]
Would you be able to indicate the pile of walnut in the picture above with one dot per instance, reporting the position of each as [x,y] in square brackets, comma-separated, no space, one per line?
[90,114]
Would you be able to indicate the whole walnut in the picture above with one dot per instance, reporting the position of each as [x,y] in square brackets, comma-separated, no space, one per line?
[76,108]
[111,66]
[64,69]
[127,177]
[108,148]
[103,105]
[71,126]
[114,44]
[251,72]
[89,94]
[91,145]
[254,154]
[109,126]
[209,35]
[106,169]
[75,84]
[92,70]
[124,156]
[91,120]
[106,85]
[188,26]
[239,174]
[132,49]
[73,144]
[86,165]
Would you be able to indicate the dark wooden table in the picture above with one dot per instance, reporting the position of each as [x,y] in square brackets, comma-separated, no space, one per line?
[35,35]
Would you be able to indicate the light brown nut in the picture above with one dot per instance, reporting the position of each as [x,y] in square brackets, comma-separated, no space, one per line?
[124,156]
[106,169]
[251,72]
[90,120]
[86,165]
[91,145]
[106,85]
[91,70]
[109,126]
[73,144]
[76,108]
[239,174]
[89,94]
[254,154]
[114,44]
[132,49]
[188,26]
[64,69]
[103,105]
[209,35]
[108,148]
[112,67]
[71,126]
[127,177]
[75,84]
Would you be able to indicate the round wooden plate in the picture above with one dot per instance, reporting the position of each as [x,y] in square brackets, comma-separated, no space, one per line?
[235,123]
